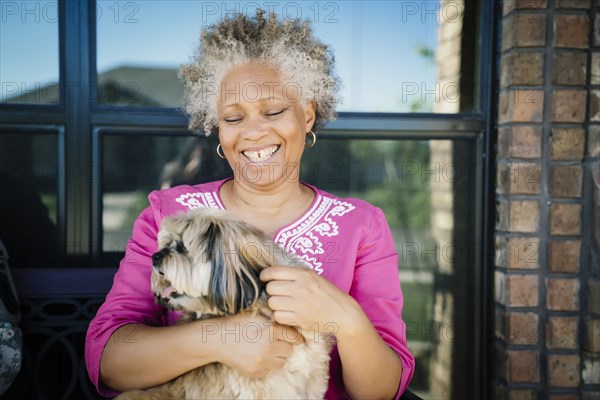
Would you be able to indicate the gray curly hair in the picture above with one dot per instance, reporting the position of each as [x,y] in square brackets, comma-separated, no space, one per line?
[286,46]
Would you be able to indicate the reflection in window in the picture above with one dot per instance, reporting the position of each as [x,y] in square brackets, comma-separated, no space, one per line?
[424,194]
[391,56]
[135,165]
[29,172]
[29,60]
[424,189]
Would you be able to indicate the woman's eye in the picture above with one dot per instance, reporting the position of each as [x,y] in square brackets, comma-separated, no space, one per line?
[232,120]
[274,113]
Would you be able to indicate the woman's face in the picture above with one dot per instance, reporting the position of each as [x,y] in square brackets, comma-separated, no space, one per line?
[262,125]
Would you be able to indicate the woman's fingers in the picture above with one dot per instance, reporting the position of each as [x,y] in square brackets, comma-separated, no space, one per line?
[300,297]
[258,328]
[280,288]
[287,334]
[286,317]
[258,345]
[282,273]
[282,303]
[290,281]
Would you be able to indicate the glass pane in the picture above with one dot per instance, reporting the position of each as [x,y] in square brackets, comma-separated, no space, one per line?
[425,190]
[135,165]
[29,43]
[29,172]
[391,56]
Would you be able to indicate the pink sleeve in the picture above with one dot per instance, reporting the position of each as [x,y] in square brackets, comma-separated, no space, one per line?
[129,300]
[376,287]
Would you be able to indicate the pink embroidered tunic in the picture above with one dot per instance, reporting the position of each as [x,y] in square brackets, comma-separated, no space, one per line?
[347,241]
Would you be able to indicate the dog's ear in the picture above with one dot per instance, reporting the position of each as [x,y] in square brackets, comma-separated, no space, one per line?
[234,282]
[250,257]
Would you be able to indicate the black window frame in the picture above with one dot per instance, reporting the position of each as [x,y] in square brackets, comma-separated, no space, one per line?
[79,121]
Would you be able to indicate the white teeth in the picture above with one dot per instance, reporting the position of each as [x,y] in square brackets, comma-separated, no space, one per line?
[262,155]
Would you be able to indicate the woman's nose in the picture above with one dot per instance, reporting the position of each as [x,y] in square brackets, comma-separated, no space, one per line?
[255,128]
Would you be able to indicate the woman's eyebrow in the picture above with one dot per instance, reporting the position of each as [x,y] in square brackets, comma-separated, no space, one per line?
[266,99]
[233,105]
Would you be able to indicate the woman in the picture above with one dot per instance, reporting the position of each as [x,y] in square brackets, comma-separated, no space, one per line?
[265,85]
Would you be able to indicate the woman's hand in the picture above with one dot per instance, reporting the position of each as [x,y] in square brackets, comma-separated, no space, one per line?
[300,297]
[252,344]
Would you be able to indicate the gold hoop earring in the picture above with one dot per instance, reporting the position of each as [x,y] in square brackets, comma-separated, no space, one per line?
[220,151]
[311,139]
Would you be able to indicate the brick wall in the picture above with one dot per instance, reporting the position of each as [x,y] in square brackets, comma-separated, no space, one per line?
[547,287]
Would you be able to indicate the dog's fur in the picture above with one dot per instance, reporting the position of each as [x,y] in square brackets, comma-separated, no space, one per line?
[208,265]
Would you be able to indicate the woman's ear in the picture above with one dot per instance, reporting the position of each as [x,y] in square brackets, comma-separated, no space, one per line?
[310,111]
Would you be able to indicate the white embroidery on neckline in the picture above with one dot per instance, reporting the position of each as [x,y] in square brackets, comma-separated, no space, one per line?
[303,238]
[199,199]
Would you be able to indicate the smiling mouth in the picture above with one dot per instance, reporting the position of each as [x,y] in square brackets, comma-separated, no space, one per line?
[262,155]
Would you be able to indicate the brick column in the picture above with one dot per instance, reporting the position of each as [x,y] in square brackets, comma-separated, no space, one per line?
[543,316]
[591,224]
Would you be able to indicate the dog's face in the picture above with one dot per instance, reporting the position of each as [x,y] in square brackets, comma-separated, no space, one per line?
[208,263]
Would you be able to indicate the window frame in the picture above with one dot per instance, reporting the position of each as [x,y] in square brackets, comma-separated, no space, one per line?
[78,121]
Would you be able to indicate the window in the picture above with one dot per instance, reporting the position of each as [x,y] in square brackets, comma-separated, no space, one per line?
[29,62]
[90,125]
[29,203]
[137,64]
[134,163]
[421,192]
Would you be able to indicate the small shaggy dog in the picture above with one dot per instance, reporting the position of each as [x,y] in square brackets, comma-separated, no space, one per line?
[208,265]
